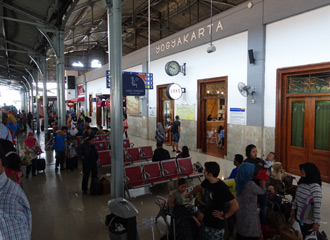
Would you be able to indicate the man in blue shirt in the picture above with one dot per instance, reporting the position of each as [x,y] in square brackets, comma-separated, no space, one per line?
[60,140]
[237,162]
[15,214]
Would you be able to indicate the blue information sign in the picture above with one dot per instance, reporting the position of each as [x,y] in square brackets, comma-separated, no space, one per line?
[147,78]
[133,85]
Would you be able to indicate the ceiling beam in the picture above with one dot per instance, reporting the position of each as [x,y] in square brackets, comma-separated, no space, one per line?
[24,12]
[221,2]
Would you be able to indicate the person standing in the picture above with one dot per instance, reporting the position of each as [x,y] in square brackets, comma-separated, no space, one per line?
[308,190]
[4,131]
[176,129]
[89,156]
[159,135]
[29,119]
[238,160]
[216,194]
[24,120]
[247,219]
[60,140]
[125,126]
[15,214]
[31,149]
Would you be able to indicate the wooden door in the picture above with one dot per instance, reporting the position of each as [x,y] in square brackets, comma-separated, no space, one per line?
[308,127]
[165,112]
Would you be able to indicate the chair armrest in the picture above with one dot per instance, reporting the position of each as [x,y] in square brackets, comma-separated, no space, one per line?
[184,169]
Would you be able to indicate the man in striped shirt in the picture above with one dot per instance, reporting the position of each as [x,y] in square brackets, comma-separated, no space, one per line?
[15,213]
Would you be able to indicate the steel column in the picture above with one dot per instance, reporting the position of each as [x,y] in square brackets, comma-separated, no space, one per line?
[35,73]
[45,97]
[60,66]
[116,94]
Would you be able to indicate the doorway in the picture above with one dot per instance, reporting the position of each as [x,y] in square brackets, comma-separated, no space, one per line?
[90,105]
[165,112]
[302,131]
[212,116]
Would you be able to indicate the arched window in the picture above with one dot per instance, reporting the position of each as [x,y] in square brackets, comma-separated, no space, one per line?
[77,64]
[96,63]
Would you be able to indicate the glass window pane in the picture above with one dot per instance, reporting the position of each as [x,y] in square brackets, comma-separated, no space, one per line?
[322,125]
[311,83]
[297,123]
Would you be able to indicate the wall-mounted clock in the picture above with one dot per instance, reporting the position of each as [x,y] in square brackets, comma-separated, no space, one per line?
[172,68]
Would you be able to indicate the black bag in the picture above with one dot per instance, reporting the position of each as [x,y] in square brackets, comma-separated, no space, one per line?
[96,187]
[40,164]
[72,163]
[174,127]
[87,119]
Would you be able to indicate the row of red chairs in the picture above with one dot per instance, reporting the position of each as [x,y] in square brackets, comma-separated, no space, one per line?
[153,173]
[103,142]
[131,155]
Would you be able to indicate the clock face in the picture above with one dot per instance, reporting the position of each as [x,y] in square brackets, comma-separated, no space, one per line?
[172,68]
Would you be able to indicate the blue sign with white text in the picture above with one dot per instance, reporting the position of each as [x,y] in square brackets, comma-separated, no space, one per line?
[133,85]
[147,78]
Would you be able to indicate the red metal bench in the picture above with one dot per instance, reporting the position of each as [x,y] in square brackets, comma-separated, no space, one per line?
[101,146]
[135,177]
[170,170]
[186,168]
[99,138]
[154,173]
[147,152]
[105,158]
[134,155]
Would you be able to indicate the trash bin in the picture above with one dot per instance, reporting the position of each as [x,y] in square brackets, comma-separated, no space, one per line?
[121,222]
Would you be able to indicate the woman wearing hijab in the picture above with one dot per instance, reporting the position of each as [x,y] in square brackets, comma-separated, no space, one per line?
[278,171]
[247,219]
[13,164]
[31,149]
[159,133]
[309,190]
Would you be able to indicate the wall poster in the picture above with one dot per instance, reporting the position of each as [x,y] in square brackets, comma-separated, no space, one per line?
[132,105]
[185,111]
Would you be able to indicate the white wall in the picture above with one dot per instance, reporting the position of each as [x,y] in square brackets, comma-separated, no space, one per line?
[299,40]
[230,59]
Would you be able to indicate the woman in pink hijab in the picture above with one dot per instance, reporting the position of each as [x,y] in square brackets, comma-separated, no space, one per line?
[32,150]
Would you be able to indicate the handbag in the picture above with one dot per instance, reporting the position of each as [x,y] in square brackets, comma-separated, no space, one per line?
[307,211]
[26,160]
[289,233]
[312,236]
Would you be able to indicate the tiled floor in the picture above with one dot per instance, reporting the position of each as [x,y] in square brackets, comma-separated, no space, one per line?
[61,212]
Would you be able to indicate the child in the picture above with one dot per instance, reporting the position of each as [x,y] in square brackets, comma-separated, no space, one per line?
[178,200]
[221,132]
[269,160]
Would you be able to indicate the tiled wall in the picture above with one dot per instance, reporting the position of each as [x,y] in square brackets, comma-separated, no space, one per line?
[239,136]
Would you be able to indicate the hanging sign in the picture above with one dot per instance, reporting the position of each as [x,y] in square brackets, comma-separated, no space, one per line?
[174,91]
[80,90]
[133,85]
[147,78]
[93,99]
[107,103]
[70,104]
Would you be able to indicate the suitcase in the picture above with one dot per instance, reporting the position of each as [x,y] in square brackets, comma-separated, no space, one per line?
[72,163]
[41,164]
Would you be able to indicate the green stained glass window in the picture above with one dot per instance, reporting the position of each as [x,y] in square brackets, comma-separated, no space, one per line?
[311,83]
[297,124]
[322,125]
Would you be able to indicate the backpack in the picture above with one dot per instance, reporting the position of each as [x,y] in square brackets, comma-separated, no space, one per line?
[174,127]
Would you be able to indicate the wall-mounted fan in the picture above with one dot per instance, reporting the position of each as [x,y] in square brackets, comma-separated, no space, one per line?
[243,89]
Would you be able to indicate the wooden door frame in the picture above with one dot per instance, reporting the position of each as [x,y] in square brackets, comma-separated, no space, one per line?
[281,129]
[201,118]
[90,104]
[159,106]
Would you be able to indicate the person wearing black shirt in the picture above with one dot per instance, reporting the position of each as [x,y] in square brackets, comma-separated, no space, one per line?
[216,194]
[89,156]
[160,153]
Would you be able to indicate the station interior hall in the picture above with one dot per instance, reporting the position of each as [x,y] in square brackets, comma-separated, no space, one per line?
[210,76]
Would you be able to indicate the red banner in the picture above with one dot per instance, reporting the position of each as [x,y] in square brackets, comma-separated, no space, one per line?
[81,90]
[107,103]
